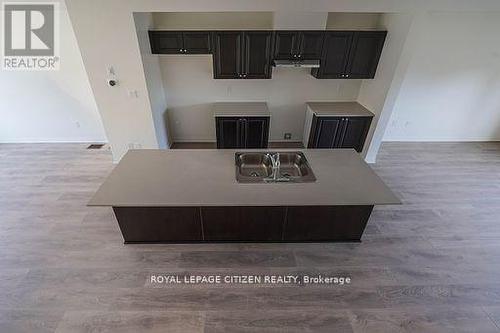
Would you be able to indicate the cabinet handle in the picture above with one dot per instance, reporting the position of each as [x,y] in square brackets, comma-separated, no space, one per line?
[347,75]
[300,55]
[180,50]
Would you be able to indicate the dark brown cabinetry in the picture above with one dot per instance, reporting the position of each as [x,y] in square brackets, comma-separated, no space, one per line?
[350,55]
[242,54]
[339,132]
[242,224]
[248,54]
[242,132]
[298,45]
[180,42]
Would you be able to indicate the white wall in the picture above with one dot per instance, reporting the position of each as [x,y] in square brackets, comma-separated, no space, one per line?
[190,90]
[107,36]
[451,91]
[379,94]
[53,106]
[352,21]
[152,74]
[213,20]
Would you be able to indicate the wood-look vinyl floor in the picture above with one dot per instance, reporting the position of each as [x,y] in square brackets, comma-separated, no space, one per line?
[430,265]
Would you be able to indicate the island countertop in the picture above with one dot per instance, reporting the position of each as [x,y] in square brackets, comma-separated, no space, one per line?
[176,178]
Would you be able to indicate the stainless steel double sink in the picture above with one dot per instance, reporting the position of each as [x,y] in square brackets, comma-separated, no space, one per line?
[273,167]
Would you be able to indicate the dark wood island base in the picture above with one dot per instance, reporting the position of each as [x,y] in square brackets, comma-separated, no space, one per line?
[242,224]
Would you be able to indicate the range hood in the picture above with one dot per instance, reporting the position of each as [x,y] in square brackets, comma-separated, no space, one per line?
[297,63]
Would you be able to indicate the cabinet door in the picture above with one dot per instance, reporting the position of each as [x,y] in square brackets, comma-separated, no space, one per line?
[227,55]
[365,54]
[166,42]
[334,56]
[354,132]
[311,45]
[228,132]
[257,55]
[256,132]
[196,42]
[285,45]
[325,131]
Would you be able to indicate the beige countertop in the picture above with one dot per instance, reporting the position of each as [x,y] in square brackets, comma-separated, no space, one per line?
[207,178]
[340,109]
[240,109]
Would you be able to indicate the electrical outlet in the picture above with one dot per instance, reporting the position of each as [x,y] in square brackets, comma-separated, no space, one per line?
[288,136]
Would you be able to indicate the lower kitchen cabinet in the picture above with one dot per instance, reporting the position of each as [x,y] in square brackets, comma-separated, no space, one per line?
[339,132]
[242,132]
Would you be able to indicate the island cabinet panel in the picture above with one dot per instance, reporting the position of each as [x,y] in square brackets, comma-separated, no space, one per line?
[326,223]
[339,132]
[243,223]
[159,224]
[242,132]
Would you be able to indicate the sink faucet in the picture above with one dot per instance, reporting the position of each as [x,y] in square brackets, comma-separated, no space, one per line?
[275,159]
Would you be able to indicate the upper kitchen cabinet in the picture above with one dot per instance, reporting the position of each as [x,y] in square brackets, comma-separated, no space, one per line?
[298,45]
[257,54]
[350,55]
[242,54]
[335,56]
[180,42]
[228,52]
[365,54]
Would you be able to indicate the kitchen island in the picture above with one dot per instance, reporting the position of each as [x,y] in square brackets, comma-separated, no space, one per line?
[193,196]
